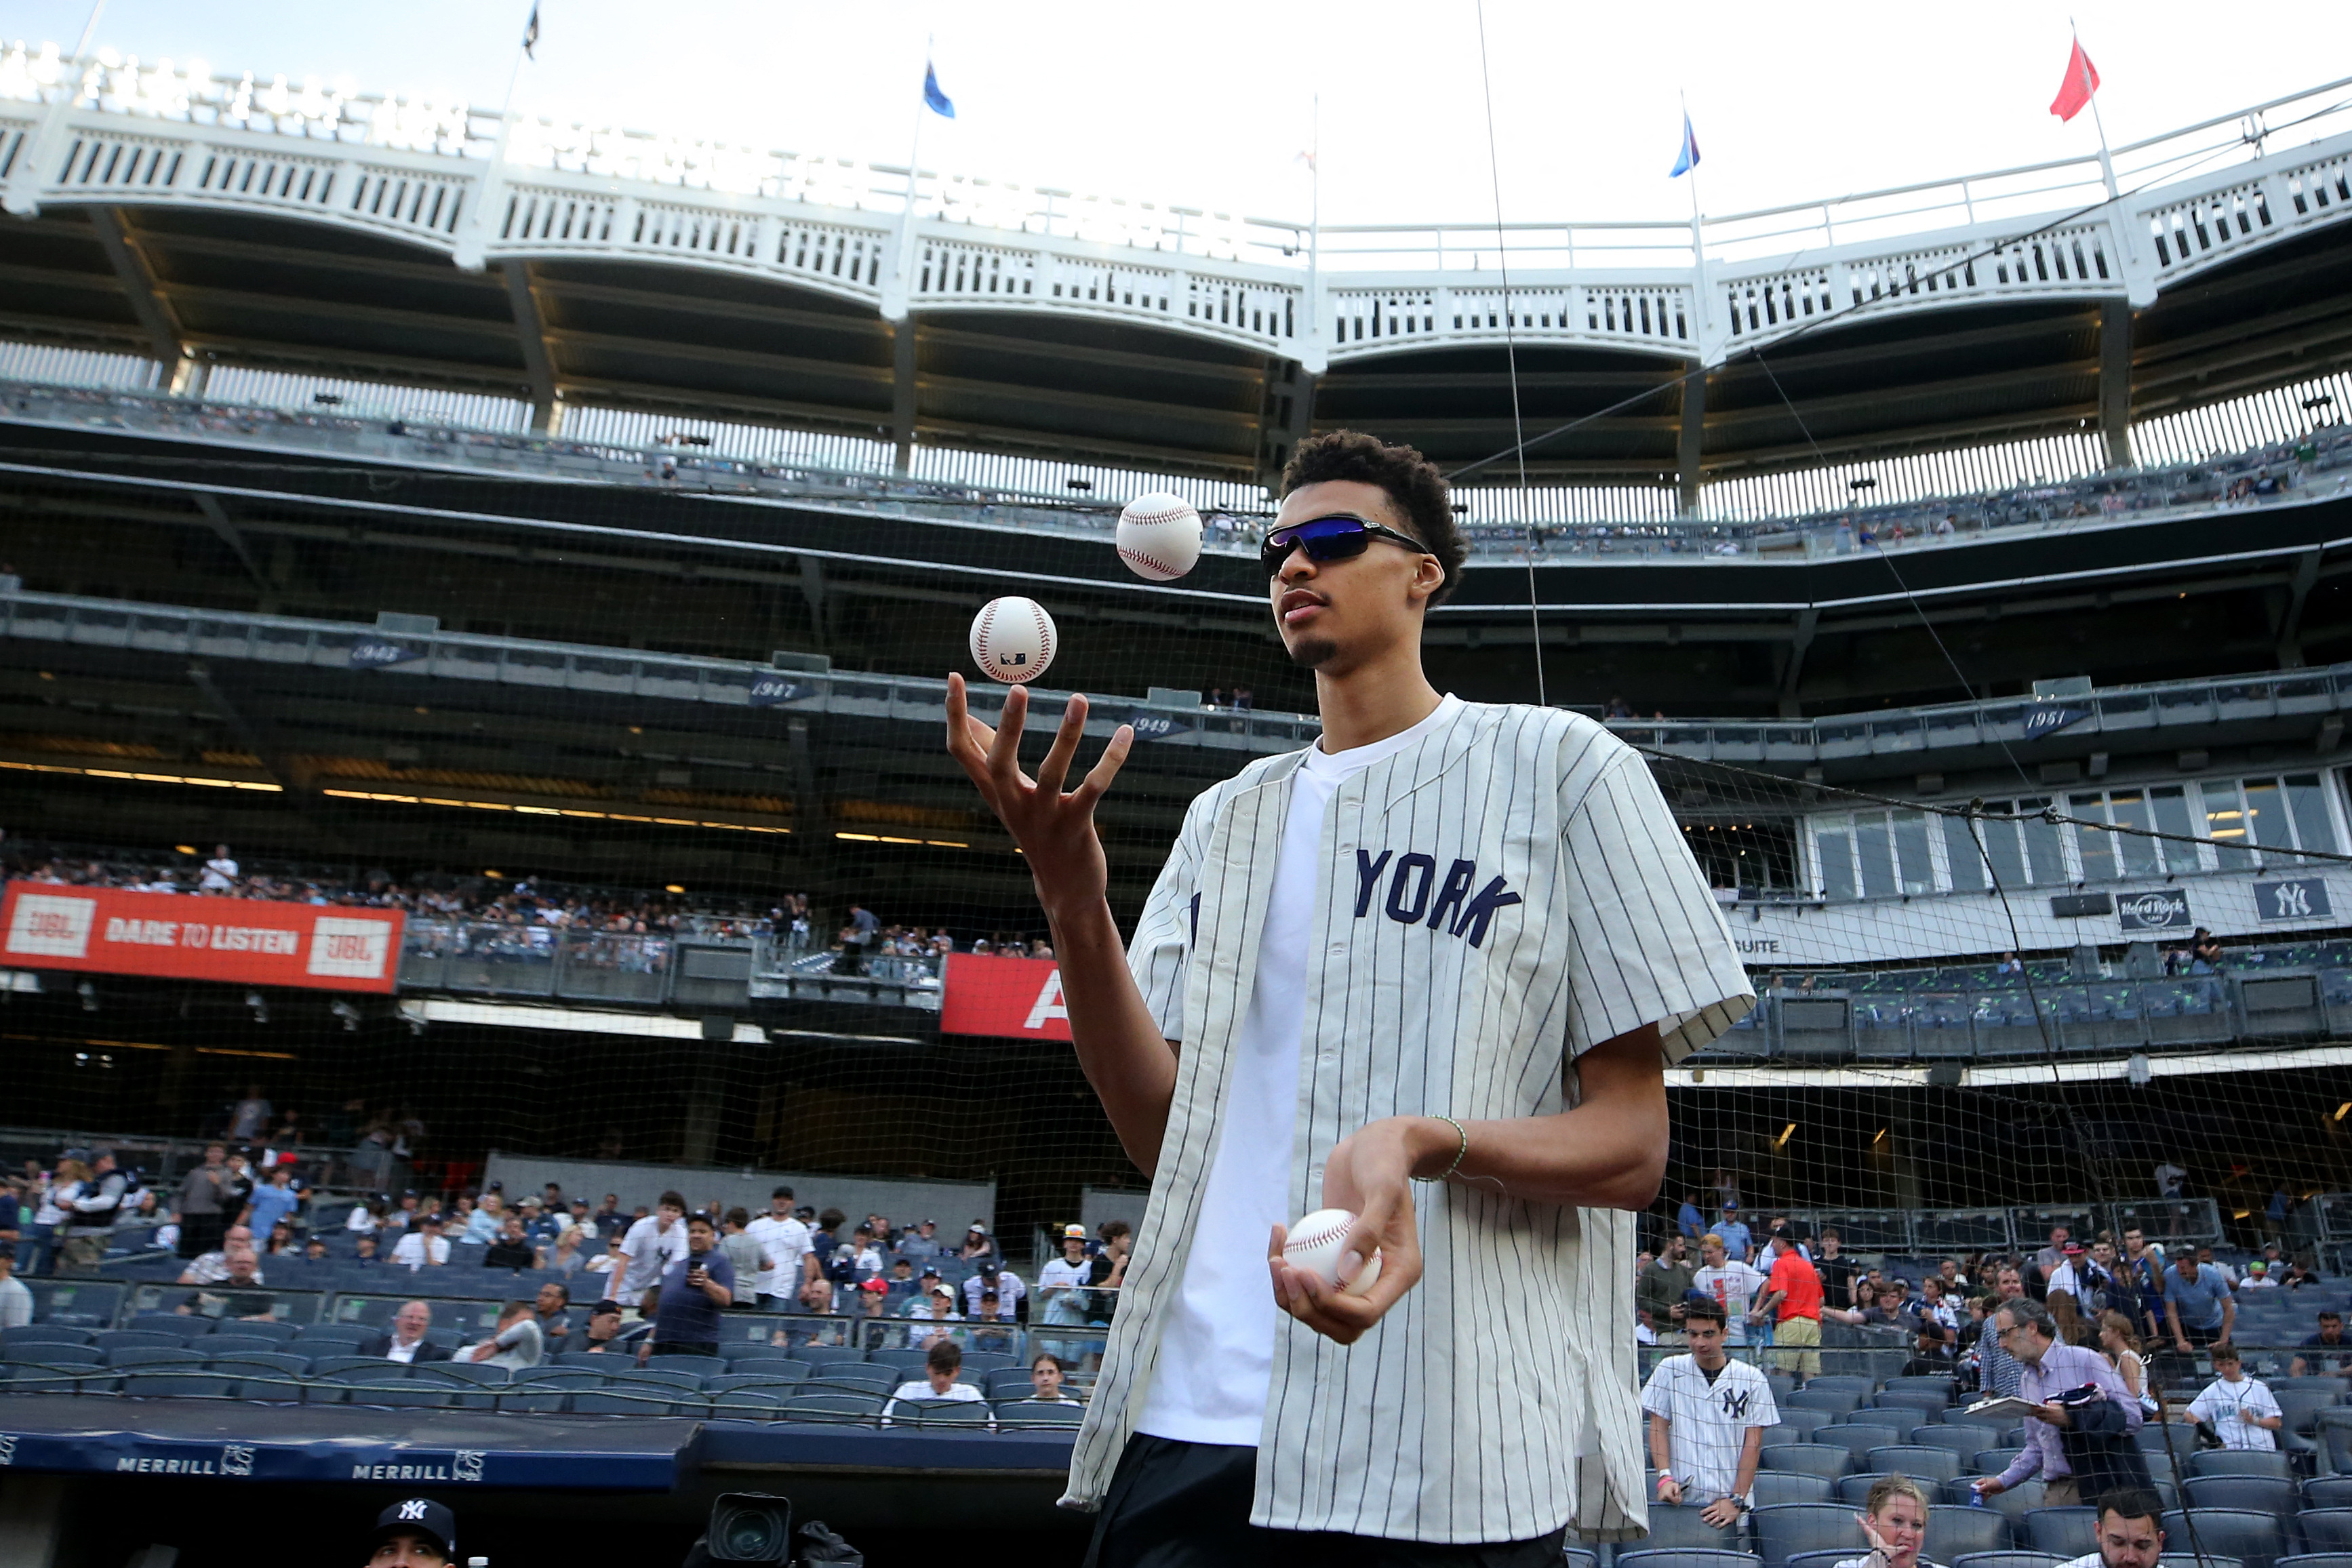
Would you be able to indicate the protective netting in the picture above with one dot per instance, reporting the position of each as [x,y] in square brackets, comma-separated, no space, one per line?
[656,781]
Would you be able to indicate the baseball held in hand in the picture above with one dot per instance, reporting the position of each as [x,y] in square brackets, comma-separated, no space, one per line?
[1312,1247]
[1013,639]
[1160,537]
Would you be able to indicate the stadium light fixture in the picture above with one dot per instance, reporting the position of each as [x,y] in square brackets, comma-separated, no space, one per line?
[2344,1110]
[1782,1141]
[672,887]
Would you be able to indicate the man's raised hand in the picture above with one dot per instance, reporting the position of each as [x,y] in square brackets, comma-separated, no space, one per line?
[1054,827]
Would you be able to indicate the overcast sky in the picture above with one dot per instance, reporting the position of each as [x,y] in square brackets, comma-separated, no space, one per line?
[1207,104]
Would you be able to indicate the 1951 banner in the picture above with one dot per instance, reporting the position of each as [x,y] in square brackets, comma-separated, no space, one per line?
[1015,998]
[183,937]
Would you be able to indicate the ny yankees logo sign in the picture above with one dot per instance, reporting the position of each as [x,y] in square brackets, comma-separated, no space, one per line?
[1735,1403]
[410,1512]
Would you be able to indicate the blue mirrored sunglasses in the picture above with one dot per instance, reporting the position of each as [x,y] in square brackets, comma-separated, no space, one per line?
[1329,538]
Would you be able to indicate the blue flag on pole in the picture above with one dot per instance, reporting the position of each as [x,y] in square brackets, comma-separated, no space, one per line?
[1687,159]
[940,103]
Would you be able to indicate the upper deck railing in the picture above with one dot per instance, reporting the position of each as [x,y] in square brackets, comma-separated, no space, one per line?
[480,187]
[2315,467]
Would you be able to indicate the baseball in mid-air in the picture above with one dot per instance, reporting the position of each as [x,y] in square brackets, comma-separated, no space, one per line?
[1160,537]
[1312,1247]
[1013,639]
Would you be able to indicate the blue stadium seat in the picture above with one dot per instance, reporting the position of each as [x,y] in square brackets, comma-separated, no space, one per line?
[1964,1442]
[354,1386]
[1825,1460]
[2327,1492]
[125,1339]
[1925,1465]
[1792,1486]
[939,1413]
[2257,1540]
[216,1344]
[1856,1441]
[1688,1557]
[1854,1489]
[1942,1386]
[1957,1531]
[2239,1462]
[1836,1401]
[153,1355]
[38,1353]
[1683,1529]
[336,1333]
[1788,1529]
[2062,1532]
[2317,1559]
[2005,1560]
[186,1325]
[2326,1529]
[857,1409]
[1918,1403]
[2269,1494]
[700,1365]
[2015,1503]
[849,1377]
[263,1330]
[46,1334]
[142,1384]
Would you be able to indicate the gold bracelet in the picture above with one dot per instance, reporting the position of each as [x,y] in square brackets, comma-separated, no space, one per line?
[1463,1134]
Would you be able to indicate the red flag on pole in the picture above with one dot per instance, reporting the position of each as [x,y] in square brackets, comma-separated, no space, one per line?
[2081,81]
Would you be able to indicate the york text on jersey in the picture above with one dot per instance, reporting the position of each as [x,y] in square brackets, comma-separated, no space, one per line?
[1418,895]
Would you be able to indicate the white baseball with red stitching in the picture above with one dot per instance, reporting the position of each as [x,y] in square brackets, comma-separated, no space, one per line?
[1312,1247]
[1013,639]
[1160,537]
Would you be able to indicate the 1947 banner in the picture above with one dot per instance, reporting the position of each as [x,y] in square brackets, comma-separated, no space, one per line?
[1014,998]
[185,936]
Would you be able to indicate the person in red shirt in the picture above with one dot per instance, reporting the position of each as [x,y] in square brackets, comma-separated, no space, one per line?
[1792,1292]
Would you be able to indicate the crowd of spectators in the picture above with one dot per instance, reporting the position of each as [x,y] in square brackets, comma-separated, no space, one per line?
[871,1284]
[681,459]
[2130,1299]
[449,910]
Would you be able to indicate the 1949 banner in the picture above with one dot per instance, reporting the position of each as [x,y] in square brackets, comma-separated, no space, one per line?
[185,936]
[1014,998]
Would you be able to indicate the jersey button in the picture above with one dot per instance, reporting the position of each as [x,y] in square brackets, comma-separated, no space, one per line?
[1338,948]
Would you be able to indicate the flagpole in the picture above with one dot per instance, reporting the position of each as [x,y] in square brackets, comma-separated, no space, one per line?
[1314,209]
[2106,164]
[905,267]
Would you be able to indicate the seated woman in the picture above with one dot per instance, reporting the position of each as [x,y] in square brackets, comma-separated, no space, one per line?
[1895,1519]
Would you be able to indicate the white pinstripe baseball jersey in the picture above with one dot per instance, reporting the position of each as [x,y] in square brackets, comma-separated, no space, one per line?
[1491,900]
[1707,1423]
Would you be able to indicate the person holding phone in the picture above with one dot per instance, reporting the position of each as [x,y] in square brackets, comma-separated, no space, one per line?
[686,1321]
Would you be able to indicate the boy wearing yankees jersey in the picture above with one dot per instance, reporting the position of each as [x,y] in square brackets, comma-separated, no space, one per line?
[1707,1415]
[1428,970]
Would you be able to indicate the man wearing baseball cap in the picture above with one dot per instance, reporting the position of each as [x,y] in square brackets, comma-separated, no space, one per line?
[416,1533]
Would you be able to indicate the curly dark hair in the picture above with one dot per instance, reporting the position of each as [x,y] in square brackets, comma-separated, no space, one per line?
[1411,481]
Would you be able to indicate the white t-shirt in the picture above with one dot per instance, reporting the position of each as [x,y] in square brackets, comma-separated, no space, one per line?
[783,1243]
[1734,1285]
[1061,1274]
[2220,1403]
[1009,1291]
[1707,1422]
[650,1252]
[15,1304]
[410,1250]
[220,874]
[922,1389]
[1216,1351]
[403,1352]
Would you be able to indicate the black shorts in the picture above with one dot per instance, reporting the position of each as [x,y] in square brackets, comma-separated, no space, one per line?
[1187,1505]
